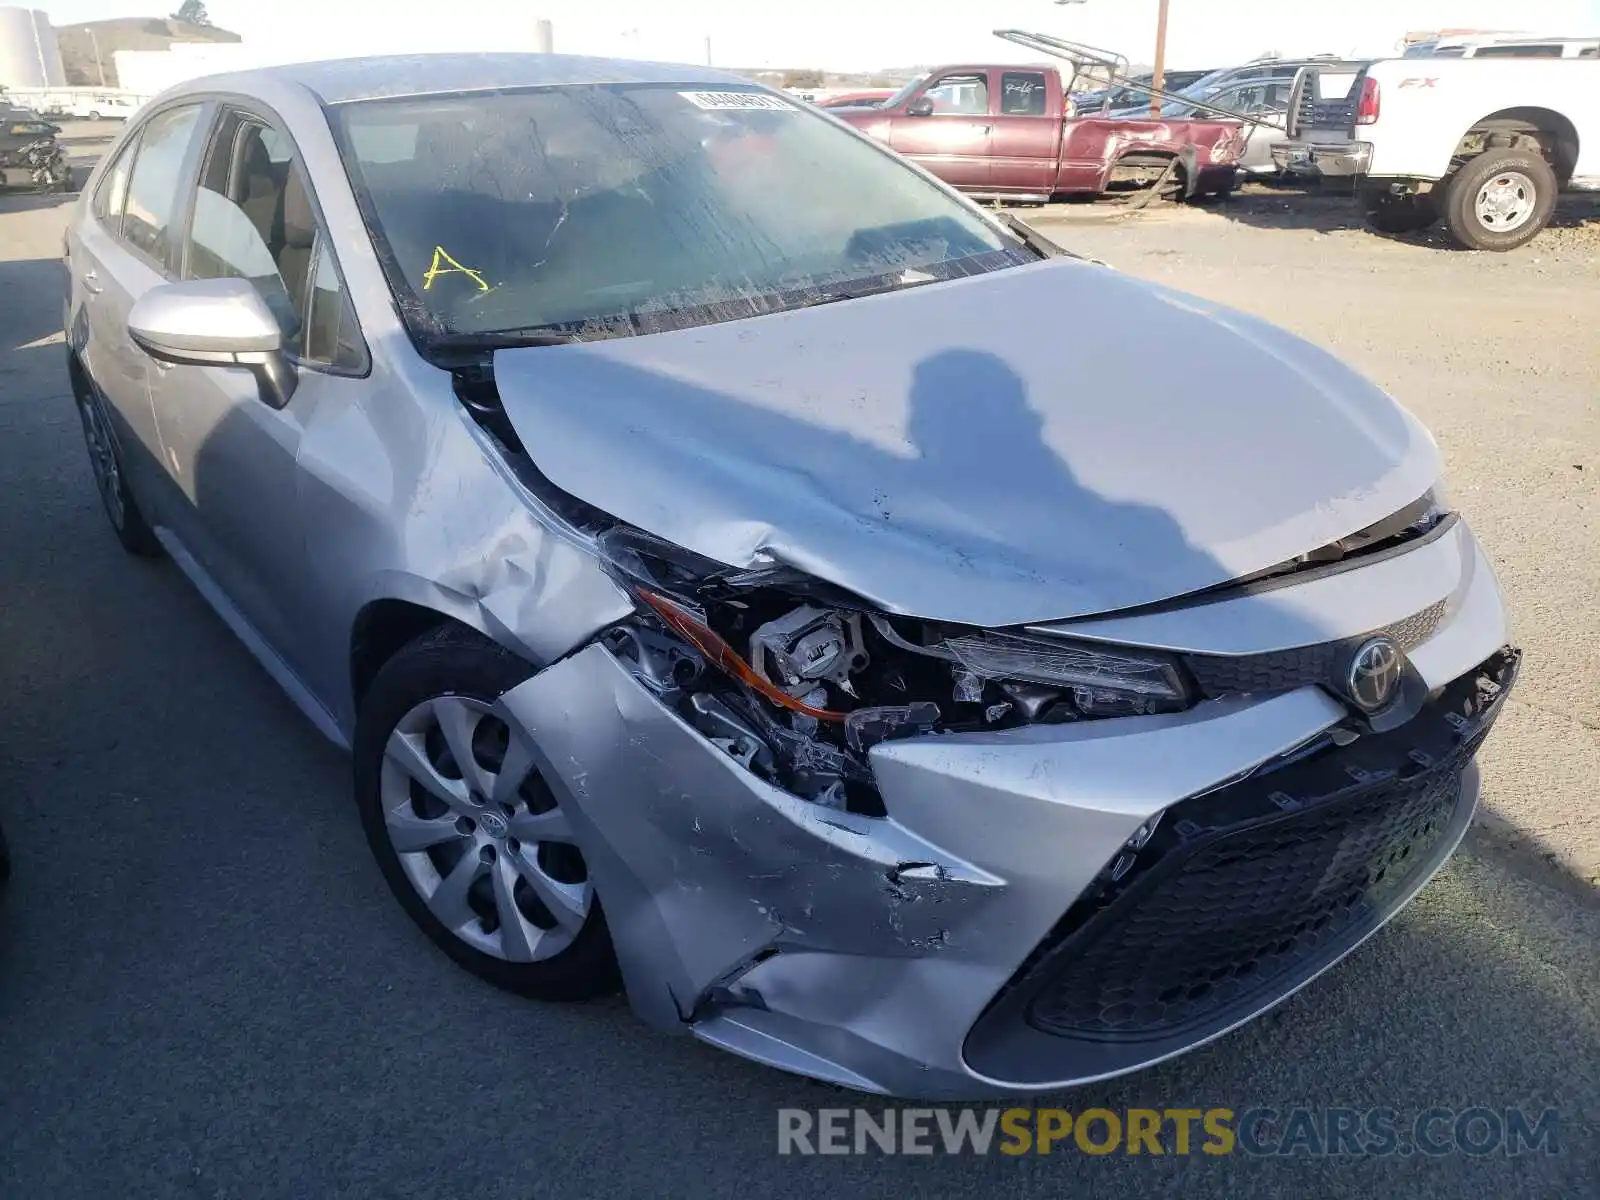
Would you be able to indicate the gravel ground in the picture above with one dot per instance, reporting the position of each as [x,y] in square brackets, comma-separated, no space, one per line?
[206,991]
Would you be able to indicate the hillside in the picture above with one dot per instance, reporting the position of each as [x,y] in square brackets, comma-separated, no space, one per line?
[79,42]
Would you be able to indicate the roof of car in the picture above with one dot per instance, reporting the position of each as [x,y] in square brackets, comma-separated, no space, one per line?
[339,81]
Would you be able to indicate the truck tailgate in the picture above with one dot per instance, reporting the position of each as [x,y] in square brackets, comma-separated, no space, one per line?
[1322,105]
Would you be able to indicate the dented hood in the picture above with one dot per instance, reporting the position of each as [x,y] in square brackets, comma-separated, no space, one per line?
[1044,442]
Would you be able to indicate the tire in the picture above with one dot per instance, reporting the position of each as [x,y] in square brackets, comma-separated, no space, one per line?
[1526,190]
[105,462]
[1388,213]
[466,863]
[95,115]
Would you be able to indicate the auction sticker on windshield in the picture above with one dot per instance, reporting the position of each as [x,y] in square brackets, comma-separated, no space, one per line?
[736,100]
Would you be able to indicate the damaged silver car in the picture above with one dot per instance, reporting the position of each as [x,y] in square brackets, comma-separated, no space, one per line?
[745,572]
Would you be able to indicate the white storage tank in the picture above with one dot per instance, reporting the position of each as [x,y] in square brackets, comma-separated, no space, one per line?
[29,56]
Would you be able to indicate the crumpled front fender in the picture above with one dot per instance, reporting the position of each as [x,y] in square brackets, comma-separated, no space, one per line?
[701,866]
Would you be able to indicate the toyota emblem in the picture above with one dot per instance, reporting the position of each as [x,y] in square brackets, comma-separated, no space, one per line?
[1374,673]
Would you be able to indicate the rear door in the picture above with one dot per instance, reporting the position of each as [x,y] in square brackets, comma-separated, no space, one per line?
[128,246]
[234,458]
[1026,141]
[954,141]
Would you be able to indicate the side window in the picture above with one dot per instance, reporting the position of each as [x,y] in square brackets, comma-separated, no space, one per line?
[331,334]
[1022,93]
[1589,52]
[961,94]
[110,196]
[152,198]
[1243,100]
[253,220]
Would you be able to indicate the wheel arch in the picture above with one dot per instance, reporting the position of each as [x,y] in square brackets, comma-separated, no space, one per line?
[1556,135]
[77,372]
[1137,154]
[381,629]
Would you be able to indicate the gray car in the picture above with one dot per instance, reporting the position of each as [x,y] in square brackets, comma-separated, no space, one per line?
[745,572]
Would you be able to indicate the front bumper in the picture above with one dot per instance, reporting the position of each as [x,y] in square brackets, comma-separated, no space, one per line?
[987,937]
[1310,158]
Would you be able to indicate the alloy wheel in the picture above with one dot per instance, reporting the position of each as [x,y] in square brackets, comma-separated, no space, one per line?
[479,834]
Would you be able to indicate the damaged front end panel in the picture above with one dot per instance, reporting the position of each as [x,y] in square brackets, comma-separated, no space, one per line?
[798,680]
[832,836]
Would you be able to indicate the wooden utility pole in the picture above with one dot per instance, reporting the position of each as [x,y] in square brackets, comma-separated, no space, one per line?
[1160,76]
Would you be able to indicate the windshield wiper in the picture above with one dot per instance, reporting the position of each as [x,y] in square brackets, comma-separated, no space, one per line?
[502,339]
[1036,241]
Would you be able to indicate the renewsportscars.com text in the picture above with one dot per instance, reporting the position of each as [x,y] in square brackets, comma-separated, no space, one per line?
[1259,1131]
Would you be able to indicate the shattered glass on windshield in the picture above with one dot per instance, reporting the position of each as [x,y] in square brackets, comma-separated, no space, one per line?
[614,210]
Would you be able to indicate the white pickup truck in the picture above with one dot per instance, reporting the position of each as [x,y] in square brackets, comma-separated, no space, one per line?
[1484,143]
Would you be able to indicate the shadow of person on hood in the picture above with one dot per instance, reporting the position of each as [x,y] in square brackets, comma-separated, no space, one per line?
[986,453]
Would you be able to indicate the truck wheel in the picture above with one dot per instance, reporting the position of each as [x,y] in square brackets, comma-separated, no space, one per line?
[1388,213]
[95,115]
[1500,200]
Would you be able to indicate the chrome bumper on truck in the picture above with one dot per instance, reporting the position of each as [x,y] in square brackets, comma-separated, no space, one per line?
[1311,158]
[1041,906]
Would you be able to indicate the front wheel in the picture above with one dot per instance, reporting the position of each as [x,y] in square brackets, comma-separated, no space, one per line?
[471,840]
[1500,200]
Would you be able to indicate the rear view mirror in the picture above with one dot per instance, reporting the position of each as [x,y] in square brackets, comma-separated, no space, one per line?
[214,323]
[920,107]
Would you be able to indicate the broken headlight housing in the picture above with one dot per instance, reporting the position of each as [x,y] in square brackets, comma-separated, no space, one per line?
[798,679]
[1099,681]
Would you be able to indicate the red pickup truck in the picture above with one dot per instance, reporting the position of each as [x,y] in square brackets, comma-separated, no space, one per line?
[1006,132]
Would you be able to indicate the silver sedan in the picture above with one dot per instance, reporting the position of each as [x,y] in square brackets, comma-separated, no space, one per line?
[889,646]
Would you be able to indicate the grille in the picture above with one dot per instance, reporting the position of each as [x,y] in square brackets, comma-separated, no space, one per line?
[1248,909]
[1247,888]
[1322,664]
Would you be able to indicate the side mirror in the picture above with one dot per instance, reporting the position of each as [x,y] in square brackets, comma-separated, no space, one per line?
[920,107]
[215,323]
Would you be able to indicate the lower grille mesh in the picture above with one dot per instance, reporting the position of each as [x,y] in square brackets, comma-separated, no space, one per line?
[1247,909]
[1243,890]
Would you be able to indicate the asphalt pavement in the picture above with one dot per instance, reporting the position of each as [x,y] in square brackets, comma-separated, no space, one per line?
[205,989]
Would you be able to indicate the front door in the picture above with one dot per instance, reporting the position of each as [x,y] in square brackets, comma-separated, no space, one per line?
[954,140]
[232,456]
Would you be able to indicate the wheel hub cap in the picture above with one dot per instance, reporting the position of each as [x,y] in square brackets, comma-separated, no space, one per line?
[479,835]
[1506,202]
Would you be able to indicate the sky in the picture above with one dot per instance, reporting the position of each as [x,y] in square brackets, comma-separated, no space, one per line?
[847,35]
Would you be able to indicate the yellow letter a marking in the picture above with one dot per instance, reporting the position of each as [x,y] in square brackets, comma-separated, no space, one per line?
[437,268]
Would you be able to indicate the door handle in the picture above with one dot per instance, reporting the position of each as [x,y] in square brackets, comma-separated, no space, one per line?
[985,128]
[92,284]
